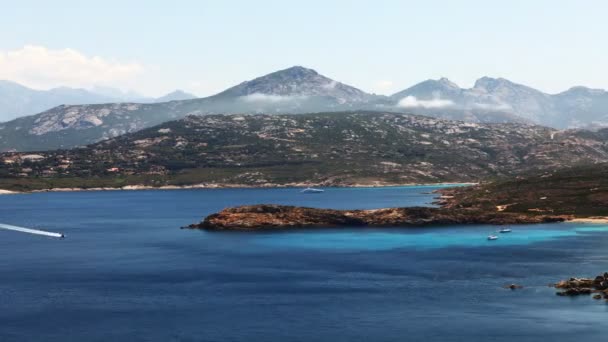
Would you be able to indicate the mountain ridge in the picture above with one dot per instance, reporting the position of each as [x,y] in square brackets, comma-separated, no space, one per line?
[299,90]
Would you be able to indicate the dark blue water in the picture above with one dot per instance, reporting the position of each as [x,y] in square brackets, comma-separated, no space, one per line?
[126,272]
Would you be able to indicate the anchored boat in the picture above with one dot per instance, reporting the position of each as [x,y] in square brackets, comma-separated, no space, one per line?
[310,190]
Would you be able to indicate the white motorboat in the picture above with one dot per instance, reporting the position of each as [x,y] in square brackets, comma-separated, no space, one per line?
[492,237]
[310,190]
[505,230]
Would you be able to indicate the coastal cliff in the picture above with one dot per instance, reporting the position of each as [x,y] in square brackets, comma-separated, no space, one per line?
[266,216]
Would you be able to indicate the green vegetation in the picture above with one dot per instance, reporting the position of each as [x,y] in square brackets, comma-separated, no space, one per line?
[580,191]
[346,148]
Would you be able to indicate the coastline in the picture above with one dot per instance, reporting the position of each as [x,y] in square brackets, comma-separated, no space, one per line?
[595,219]
[233,186]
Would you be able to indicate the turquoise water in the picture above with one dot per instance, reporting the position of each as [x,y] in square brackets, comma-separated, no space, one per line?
[420,239]
[126,272]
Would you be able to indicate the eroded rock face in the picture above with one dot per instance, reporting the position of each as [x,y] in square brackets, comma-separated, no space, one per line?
[268,216]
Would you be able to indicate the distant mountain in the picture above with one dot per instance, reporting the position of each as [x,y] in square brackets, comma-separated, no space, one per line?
[583,107]
[577,107]
[299,90]
[177,95]
[18,101]
[324,148]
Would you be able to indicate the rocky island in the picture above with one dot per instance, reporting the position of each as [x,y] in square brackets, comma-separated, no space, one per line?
[268,216]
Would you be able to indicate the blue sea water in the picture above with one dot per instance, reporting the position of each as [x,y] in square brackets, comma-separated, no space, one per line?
[126,272]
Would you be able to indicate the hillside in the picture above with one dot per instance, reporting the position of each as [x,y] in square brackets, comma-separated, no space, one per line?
[347,148]
[581,191]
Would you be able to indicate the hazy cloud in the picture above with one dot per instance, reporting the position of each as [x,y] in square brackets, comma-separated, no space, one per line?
[413,102]
[40,67]
[492,106]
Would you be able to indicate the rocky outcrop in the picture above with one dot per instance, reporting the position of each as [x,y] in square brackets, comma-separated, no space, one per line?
[266,216]
[584,286]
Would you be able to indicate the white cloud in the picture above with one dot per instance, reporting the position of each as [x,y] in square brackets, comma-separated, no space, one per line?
[492,106]
[39,67]
[259,97]
[413,102]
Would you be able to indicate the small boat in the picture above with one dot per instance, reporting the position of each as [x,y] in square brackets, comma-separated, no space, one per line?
[310,190]
[505,230]
[492,237]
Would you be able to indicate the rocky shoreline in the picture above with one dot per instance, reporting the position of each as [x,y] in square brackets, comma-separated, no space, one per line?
[269,216]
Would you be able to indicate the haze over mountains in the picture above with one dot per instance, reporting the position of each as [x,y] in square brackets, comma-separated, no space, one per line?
[300,90]
[17,100]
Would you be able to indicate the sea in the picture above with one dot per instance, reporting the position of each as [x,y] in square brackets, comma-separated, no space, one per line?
[127,272]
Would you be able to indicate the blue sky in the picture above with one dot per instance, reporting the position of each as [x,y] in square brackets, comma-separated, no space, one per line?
[379,46]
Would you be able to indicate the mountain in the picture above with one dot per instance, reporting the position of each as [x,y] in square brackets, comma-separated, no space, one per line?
[18,101]
[501,99]
[177,95]
[299,90]
[294,90]
[445,99]
[346,148]
[296,82]
[583,107]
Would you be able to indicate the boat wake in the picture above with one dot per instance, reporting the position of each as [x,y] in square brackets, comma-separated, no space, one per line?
[30,231]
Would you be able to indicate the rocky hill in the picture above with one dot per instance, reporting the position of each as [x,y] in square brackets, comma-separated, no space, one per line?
[581,191]
[349,148]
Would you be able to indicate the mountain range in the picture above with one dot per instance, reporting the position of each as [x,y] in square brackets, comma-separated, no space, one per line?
[299,90]
[17,100]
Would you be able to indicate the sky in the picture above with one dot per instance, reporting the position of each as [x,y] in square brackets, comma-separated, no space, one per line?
[381,46]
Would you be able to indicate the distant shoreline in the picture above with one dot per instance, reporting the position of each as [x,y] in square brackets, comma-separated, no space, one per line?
[229,186]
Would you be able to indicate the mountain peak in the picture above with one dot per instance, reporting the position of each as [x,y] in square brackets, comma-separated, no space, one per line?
[298,71]
[583,91]
[490,83]
[429,89]
[175,95]
[447,83]
[296,81]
